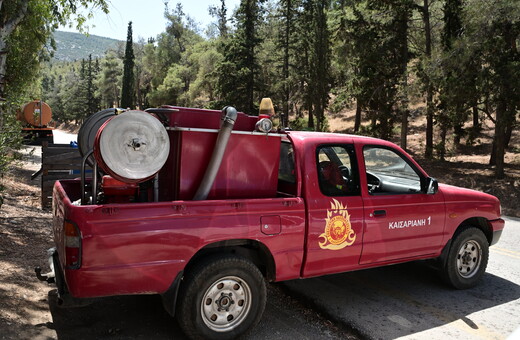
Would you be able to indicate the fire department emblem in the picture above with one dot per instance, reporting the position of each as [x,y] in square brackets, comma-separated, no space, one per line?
[338,232]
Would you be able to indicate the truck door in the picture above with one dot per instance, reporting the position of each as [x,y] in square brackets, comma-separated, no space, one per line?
[401,220]
[334,210]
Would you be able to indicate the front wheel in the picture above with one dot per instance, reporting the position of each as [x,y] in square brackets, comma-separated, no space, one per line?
[467,259]
[223,297]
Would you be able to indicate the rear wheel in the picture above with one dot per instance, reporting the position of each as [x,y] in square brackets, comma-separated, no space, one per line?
[222,298]
[467,259]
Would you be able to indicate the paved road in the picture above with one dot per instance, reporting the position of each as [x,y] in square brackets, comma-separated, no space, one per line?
[409,301]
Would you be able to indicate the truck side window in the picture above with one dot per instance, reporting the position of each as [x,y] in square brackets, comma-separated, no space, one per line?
[337,174]
[286,172]
[389,173]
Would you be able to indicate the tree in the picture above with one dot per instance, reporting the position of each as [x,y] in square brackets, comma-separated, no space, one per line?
[221,15]
[35,18]
[238,73]
[25,26]
[376,38]
[427,54]
[316,61]
[92,99]
[285,51]
[127,89]
[497,34]
[110,80]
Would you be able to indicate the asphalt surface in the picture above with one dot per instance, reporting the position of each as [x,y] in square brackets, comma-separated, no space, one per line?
[410,301]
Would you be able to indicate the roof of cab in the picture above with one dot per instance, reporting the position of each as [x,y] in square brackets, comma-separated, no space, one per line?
[327,137]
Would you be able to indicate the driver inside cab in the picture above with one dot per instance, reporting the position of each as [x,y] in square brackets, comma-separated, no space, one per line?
[331,179]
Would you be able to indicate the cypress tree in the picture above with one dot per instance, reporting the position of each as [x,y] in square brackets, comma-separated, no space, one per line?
[127,92]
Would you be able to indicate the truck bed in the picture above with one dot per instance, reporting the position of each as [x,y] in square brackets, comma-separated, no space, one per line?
[140,248]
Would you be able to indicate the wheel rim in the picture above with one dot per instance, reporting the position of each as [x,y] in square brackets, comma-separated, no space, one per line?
[469,258]
[226,303]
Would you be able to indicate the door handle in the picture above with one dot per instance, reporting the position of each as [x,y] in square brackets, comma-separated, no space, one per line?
[379,213]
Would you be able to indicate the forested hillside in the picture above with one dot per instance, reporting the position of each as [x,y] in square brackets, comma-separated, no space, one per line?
[455,63]
[75,46]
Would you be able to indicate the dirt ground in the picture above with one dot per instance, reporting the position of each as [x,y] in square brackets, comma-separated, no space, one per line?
[28,307]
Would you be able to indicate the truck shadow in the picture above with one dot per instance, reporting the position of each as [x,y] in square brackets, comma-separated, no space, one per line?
[122,317]
[395,301]
[143,317]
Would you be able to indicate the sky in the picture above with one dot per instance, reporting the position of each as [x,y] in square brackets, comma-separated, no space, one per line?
[147,17]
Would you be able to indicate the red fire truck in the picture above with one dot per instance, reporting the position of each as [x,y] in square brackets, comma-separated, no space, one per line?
[205,210]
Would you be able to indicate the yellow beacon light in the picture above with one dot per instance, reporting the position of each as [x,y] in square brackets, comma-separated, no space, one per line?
[266,108]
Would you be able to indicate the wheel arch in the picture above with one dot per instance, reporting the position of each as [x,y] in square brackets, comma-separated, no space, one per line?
[478,222]
[252,250]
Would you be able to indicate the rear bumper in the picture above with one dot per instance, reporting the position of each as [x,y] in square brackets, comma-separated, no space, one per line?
[65,299]
[496,226]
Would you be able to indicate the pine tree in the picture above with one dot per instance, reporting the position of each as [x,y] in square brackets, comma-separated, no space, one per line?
[238,73]
[91,88]
[286,44]
[221,15]
[127,91]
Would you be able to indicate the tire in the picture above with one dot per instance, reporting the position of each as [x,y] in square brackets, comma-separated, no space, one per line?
[467,259]
[221,298]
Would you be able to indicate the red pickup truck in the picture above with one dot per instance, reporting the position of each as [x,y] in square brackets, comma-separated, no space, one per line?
[321,203]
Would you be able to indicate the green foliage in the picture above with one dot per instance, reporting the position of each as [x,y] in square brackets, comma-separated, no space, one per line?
[302,124]
[10,140]
[109,83]
[25,29]
[461,56]
[374,36]
[238,73]
[127,90]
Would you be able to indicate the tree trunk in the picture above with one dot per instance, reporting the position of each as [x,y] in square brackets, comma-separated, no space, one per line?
[442,147]
[457,135]
[357,122]
[287,94]
[499,142]
[509,131]
[404,127]
[310,123]
[476,123]
[429,91]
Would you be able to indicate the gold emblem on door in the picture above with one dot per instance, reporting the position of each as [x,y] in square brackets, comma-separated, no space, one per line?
[338,232]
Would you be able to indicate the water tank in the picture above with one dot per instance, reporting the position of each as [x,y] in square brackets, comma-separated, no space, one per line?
[36,113]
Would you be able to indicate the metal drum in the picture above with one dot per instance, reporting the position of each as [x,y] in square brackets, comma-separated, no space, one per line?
[88,131]
[132,147]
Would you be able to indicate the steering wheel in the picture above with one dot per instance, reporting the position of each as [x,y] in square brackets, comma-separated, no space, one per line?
[345,172]
[374,183]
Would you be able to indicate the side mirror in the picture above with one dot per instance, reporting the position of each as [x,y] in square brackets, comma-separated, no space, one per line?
[432,186]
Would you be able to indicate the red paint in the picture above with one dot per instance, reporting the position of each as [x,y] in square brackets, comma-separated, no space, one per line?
[249,167]
[176,116]
[139,248]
